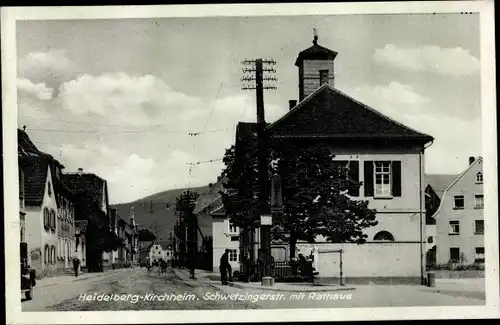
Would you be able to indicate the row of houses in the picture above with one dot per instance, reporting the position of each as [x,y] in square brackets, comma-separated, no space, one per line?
[67,215]
[415,215]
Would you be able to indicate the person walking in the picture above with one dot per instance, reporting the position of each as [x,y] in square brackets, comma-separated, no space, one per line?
[225,268]
[76,265]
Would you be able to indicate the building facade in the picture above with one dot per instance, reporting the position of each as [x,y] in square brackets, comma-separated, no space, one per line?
[225,236]
[460,218]
[66,245]
[386,156]
[41,221]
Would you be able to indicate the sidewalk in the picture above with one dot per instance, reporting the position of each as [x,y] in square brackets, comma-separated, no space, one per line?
[203,276]
[62,279]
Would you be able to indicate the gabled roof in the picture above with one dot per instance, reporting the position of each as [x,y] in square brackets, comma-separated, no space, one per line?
[439,182]
[478,159]
[207,199]
[35,178]
[88,184]
[315,52]
[25,144]
[26,147]
[329,113]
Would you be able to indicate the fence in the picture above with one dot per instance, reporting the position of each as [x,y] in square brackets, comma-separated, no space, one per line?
[281,270]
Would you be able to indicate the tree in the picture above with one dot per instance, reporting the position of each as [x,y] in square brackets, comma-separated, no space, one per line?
[314,189]
[185,205]
[146,235]
[315,197]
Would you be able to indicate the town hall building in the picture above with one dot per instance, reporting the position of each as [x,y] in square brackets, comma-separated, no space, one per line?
[386,156]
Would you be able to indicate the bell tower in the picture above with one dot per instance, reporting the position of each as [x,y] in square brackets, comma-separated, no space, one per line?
[315,67]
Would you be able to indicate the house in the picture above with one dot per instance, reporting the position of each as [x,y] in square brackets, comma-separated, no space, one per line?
[205,225]
[92,204]
[386,156]
[155,251]
[64,210]
[133,240]
[435,185]
[40,218]
[460,218]
[225,236]
[80,244]
[125,232]
[66,241]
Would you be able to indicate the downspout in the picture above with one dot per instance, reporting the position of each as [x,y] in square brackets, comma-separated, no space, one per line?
[422,260]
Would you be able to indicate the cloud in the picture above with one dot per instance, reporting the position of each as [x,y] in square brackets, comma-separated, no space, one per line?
[455,138]
[119,120]
[393,99]
[444,61]
[52,68]
[39,90]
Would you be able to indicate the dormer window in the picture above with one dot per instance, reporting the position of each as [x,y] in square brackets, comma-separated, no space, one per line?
[479,177]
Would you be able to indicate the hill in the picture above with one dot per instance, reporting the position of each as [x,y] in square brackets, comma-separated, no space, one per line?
[157,212]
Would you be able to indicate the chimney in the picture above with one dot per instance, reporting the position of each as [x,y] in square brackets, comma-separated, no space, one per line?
[80,171]
[471,160]
[292,103]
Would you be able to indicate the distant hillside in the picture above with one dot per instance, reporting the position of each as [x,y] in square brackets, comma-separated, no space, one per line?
[159,207]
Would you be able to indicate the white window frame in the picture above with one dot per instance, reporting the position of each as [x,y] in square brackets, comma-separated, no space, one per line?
[454,202]
[383,168]
[479,178]
[451,228]
[233,255]
[476,205]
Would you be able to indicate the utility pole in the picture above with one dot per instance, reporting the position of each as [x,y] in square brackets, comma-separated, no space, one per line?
[264,209]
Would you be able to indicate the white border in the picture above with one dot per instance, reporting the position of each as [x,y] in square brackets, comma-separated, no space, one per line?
[13,308]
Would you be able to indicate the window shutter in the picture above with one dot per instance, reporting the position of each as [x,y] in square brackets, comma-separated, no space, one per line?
[354,176]
[368,178]
[396,178]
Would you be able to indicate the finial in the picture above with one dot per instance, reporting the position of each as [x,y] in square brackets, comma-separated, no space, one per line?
[24,128]
[315,33]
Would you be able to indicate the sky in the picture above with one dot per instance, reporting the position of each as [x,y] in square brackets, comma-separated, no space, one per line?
[120,97]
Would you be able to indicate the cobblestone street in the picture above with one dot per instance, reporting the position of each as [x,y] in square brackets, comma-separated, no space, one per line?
[155,291]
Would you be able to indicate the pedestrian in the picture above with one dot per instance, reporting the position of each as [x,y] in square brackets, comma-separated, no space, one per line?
[225,268]
[76,265]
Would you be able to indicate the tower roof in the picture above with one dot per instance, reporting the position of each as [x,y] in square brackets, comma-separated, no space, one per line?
[316,52]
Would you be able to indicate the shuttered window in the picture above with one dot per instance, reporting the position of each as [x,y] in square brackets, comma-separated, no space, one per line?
[382,179]
[353,175]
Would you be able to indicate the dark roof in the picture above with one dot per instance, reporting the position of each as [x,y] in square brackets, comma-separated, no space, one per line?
[25,144]
[207,199]
[246,131]
[35,178]
[87,184]
[81,225]
[439,182]
[329,113]
[315,52]
[27,147]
